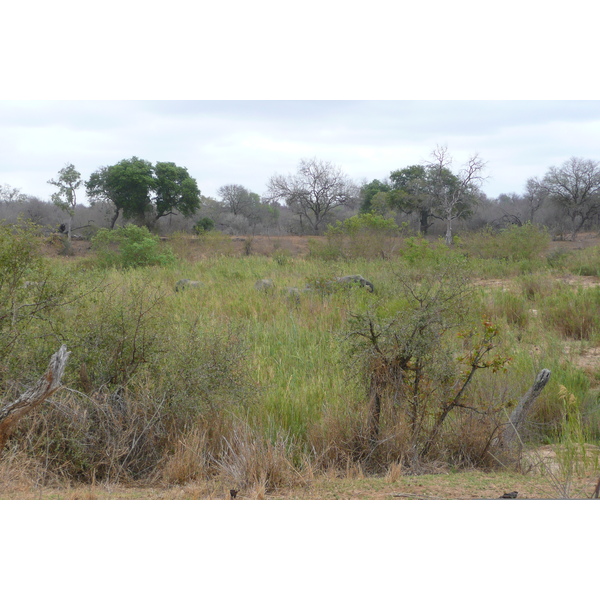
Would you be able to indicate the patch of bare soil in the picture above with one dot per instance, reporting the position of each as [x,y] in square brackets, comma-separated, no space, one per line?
[586,358]
[584,240]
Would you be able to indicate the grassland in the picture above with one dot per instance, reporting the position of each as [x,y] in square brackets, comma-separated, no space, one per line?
[189,394]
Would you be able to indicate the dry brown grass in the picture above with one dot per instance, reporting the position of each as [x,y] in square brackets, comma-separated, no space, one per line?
[463,485]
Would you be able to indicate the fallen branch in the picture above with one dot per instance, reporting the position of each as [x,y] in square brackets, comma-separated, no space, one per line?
[35,395]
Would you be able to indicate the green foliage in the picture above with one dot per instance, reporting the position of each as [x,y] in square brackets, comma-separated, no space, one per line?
[419,251]
[363,222]
[135,188]
[282,256]
[174,190]
[29,293]
[151,369]
[414,368]
[68,182]
[130,247]
[203,225]
[369,191]
[367,235]
[513,243]
[119,332]
[127,185]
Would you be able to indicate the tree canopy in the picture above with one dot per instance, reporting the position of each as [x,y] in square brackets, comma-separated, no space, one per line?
[175,190]
[136,188]
[69,180]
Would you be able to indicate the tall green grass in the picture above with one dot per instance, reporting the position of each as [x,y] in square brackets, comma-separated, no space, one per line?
[211,357]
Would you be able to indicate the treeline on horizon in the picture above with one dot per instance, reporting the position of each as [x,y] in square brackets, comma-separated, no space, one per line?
[433,198]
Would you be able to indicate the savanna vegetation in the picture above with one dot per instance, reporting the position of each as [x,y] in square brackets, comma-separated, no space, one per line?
[269,387]
[193,358]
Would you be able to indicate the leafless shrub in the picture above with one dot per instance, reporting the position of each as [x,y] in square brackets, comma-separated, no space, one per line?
[251,461]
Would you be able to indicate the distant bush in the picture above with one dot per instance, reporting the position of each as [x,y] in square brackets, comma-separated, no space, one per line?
[130,247]
[203,225]
[418,251]
[364,235]
[513,243]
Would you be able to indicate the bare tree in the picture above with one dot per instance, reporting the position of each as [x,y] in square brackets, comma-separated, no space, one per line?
[236,198]
[314,191]
[10,194]
[535,196]
[454,195]
[575,187]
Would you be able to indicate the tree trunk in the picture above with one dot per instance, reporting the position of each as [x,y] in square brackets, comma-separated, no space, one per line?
[424,224]
[448,232]
[518,416]
[35,395]
[114,219]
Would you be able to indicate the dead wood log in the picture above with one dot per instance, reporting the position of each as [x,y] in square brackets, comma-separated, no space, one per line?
[519,414]
[596,490]
[35,395]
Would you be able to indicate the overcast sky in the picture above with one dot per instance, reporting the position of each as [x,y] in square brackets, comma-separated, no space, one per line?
[241,91]
[246,142]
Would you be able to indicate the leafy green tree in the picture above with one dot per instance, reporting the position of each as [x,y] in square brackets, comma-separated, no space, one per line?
[410,194]
[128,185]
[175,191]
[69,180]
[369,191]
[136,188]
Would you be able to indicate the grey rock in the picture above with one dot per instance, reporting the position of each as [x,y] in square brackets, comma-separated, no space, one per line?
[356,279]
[183,284]
[263,285]
[292,293]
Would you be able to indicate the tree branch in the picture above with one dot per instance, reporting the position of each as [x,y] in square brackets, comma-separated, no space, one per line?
[35,395]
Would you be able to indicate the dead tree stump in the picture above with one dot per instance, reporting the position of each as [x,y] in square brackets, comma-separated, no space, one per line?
[35,395]
[519,414]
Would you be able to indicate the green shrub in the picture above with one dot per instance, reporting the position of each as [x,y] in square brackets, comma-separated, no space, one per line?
[513,243]
[29,293]
[203,225]
[365,235]
[282,257]
[130,247]
[418,251]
